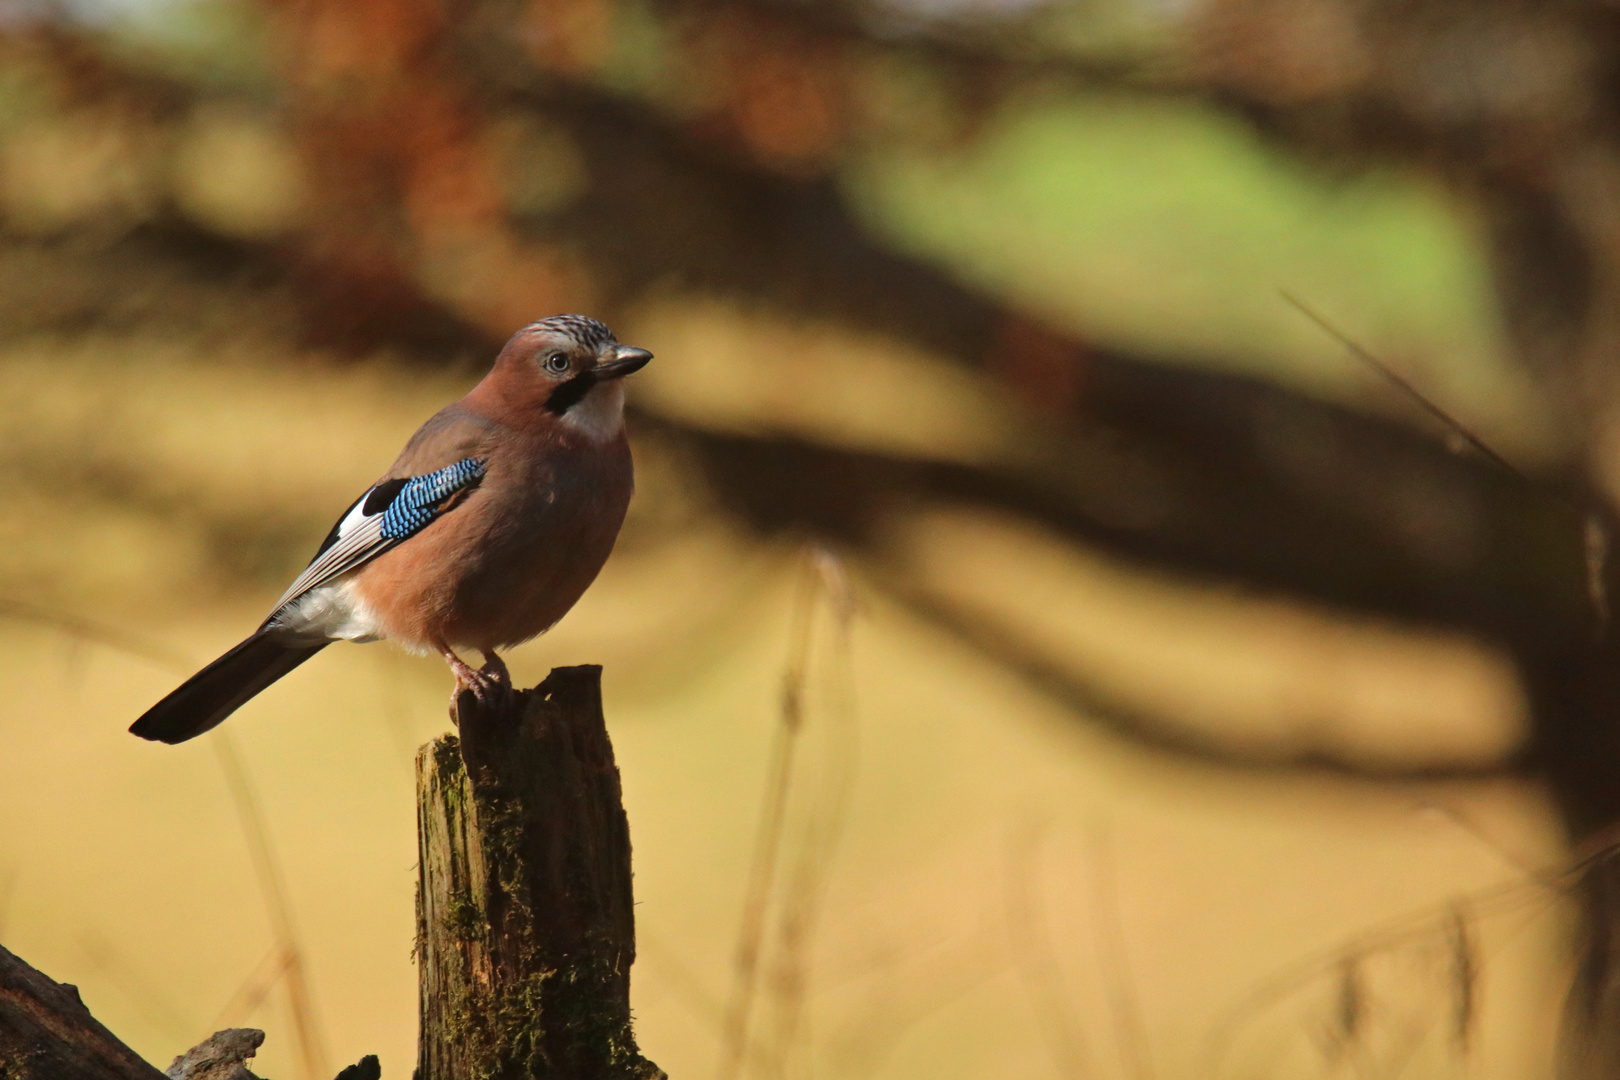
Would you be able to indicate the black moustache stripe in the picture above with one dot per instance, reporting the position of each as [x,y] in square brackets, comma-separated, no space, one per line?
[571,393]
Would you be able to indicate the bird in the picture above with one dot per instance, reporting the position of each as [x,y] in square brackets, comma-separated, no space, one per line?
[486,530]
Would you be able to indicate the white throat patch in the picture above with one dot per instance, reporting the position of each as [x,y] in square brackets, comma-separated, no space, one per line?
[600,415]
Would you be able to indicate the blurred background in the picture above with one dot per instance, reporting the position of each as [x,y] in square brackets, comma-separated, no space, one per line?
[1033,418]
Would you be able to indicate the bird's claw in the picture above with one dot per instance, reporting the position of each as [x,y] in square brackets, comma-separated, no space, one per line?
[495,669]
[490,685]
[484,688]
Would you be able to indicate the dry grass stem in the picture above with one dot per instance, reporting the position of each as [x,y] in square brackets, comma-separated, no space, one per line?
[272,886]
[151,1000]
[823,582]
[1123,1001]
[1432,968]
[306,1025]
[827,816]
[1036,961]
[253,990]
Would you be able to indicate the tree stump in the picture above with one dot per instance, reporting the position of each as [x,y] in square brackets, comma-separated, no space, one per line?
[525,929]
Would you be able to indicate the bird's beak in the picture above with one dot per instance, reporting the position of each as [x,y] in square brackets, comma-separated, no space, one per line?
[624,361]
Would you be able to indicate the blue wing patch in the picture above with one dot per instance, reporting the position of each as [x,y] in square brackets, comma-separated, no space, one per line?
[423,497]
[389,513]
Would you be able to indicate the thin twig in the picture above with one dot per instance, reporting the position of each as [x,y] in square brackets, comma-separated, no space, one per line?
[1466,971]
[1036,964]
[305,1023]
[1461,820]
[272,885]
[150,1000]
[100,634]
[804,889]
[888,1019]
[1595,545]
[1116,970]
[667,965]
[1397,932]
[1595,527]
[1400,381]
[767,845]
[253,990]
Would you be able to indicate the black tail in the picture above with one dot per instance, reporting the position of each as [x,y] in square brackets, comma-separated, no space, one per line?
[221,688]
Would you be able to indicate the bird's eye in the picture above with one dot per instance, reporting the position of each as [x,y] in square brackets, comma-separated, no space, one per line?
[557,363]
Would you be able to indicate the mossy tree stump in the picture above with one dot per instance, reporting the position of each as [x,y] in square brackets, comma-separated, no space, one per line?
[525,929]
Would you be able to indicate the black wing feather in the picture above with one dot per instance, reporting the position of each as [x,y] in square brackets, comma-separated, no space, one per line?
[388,514]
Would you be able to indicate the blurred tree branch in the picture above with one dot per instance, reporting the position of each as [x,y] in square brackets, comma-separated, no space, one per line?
[1213,475]
[714,176]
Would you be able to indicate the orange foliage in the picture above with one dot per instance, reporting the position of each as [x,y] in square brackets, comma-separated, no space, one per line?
[406,194]
[782,92]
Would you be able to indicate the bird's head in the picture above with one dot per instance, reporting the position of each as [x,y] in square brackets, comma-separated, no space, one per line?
[569,366]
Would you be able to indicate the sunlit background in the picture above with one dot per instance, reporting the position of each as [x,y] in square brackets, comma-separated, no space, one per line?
[1171,672]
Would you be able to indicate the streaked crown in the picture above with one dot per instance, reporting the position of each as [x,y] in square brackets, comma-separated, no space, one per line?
[582,328]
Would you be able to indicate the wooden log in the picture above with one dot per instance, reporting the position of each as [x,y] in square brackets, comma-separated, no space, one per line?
[525,930]
[46,1033]
[222,1056]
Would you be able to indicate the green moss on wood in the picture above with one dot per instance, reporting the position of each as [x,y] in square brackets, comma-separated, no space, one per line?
[506,1031]
[501,822]
[447,755]
[464,921]
[519,995]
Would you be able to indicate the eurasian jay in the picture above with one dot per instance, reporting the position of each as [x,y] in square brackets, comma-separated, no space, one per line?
[497,515]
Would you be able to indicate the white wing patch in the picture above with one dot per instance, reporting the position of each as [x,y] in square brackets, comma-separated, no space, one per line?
[359,540]
[399,508]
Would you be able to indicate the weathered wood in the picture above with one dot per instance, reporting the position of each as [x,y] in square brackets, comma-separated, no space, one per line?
[367,1068]
[46,1033]
[525,929]
[222,1056]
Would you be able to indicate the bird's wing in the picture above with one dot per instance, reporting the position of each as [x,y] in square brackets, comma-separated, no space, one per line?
[389,513]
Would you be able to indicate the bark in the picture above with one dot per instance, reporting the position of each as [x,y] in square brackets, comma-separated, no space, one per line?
[525,929]
[222,1056]
[46,1033]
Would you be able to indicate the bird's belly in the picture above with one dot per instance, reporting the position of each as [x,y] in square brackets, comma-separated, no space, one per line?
[511,604]
[492,579]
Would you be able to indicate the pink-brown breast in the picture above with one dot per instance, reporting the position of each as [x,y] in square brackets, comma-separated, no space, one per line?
[512,558]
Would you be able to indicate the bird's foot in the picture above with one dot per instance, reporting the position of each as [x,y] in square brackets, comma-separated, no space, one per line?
[495,668]
[488,686]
